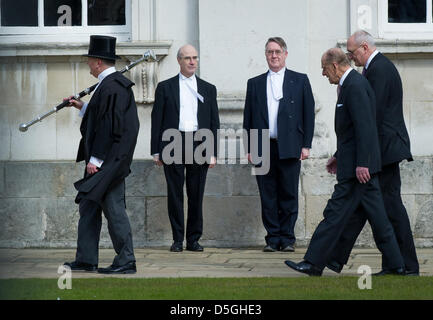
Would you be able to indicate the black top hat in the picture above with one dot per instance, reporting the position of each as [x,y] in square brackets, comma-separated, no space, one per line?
[103,47]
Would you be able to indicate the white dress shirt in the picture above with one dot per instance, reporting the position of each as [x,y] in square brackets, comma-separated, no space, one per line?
[97,162]
[370,58]
[188,103]
[344,76]
[274,89]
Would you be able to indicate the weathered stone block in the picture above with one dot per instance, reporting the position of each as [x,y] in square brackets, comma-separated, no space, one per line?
[424,222]
[244,183]
[315,180]
[24,219]
[233,220]
[219,180]
[41,179]
[417,176]
[157,225]
[146,179]
[62,220]
[2,179]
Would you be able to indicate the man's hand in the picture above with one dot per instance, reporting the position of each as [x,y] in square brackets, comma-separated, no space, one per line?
[74,103]
[362,174]
[91,168]
[156,160]
[249,158]
[305,153]
[331,166]
[212,162]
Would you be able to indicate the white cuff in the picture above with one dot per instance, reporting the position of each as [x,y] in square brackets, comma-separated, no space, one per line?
[97,162]
[83,109]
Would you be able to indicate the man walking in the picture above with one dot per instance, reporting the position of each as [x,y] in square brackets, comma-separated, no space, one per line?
[395,147]
[356,163]
[109,132]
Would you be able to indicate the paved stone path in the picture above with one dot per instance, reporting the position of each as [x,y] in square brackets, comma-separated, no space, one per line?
[213,262]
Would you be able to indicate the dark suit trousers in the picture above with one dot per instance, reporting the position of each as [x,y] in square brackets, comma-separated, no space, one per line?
[195,177]
[347,197]
[89,228]
[279,198]
[390,184]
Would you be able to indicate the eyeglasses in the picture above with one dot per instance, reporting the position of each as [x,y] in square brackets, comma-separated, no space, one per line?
[271,52]
[194,58]
[351,53]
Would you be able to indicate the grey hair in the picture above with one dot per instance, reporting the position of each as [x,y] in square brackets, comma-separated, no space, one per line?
[361,36]
[278,40]
[336,55]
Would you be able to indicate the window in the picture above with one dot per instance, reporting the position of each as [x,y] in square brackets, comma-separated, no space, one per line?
[63,20]
[406,19]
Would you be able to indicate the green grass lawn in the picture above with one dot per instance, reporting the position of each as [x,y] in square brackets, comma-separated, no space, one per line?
[305,288]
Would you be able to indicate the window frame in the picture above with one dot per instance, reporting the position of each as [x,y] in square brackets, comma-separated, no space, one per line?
[41,33]
[413,31]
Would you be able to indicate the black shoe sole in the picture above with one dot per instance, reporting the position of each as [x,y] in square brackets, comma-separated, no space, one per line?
[120,272]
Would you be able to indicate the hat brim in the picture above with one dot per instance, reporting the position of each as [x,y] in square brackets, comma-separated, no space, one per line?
[101,56]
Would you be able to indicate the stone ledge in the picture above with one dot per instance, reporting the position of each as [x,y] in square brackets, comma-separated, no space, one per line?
[398,46]
[77,49]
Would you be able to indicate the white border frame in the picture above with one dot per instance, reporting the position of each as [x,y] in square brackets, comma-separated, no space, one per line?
[66,34]
[411,31]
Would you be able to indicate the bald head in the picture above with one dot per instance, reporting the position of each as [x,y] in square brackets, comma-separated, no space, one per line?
[360,46]
[187,57]
[184,50]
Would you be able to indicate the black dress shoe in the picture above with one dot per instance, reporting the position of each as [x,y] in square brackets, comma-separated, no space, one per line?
[288,248]
[125,269]
[195,246]
[385,272]
[304,267]
[176,247]
[334,266]
[412,273]
[269,248]
[80,266]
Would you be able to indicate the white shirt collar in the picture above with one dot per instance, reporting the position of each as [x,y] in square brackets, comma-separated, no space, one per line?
[106,73]
[344,76]
[280,73]
[370,58]
[182,77]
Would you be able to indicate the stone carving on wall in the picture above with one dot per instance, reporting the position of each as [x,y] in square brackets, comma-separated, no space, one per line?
[145,77]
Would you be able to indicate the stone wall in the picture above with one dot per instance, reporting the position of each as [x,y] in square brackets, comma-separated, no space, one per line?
[37,206]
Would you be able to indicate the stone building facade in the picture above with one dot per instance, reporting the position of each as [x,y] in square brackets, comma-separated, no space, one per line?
[41,64]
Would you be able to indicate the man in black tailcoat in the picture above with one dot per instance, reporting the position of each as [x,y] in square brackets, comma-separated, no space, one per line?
[109,130]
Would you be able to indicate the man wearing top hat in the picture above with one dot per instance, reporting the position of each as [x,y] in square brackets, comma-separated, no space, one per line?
[109,130]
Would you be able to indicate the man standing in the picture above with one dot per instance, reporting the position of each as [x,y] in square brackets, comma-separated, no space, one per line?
[187,105]
[395,147]
[282,102]
[356,163]
[109,132]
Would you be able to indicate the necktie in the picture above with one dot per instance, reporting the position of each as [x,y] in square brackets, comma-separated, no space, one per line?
[364,71]
[338,90]
[277,86]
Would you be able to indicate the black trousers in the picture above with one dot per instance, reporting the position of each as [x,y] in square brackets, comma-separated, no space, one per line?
[89,228]
[279,198]
[347,197]
[195,177]
[390,185]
